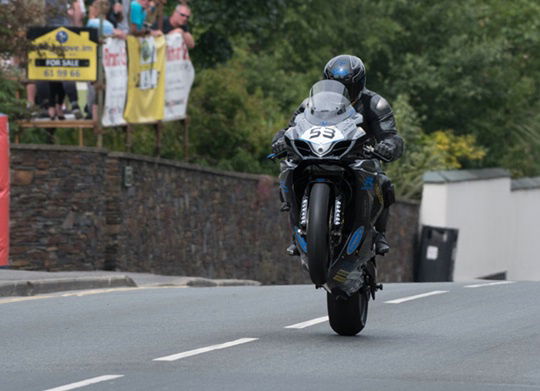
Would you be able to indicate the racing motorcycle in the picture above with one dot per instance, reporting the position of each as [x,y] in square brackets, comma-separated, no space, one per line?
[331,185]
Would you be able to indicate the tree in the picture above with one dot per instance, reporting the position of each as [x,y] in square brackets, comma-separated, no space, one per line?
[440,150]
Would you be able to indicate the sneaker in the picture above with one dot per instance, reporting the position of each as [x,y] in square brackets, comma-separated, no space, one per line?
[76,111]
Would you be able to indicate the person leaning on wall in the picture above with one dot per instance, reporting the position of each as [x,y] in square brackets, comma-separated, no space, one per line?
[138,15]
[98,13]
[178,22]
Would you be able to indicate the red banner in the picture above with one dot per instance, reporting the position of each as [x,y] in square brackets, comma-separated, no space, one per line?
[4,190]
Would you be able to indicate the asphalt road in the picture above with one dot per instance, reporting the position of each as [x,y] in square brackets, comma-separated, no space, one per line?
[240,338]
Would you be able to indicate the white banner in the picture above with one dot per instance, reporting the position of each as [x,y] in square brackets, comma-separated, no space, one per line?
[116,74]
[179,76]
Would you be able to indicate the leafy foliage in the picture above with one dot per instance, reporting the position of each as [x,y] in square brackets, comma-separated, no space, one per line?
[230,127]
[436,151]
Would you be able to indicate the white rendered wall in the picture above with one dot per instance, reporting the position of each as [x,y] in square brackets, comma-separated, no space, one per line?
[525,251]
[498,228]
[434,205]
[481,211]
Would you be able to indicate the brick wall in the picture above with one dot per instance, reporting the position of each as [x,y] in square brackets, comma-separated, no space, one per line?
[72,209]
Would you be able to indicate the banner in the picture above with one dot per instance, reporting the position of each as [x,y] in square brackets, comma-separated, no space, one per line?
[146,79]
[179,76]
[4,190]
[62,53]
[116,75]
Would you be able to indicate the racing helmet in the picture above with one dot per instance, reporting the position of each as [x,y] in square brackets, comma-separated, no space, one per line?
[350,71]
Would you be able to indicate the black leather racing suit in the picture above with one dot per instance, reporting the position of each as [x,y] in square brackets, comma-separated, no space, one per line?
[379,125]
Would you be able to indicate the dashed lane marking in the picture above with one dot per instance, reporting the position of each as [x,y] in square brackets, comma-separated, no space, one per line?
[189,353]
[489,284]
[409,298]
[84,383]
[308,323]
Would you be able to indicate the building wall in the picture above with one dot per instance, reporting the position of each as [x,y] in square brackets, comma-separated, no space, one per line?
[496,225]
[73,209]
[524,250]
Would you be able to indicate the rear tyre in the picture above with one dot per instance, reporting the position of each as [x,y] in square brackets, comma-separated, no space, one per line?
[348,316]
[318,244]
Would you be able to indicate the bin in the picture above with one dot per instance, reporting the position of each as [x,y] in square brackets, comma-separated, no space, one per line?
[436,254]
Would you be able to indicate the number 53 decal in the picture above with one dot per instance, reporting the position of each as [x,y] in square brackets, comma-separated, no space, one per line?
[322,135]
[326,132]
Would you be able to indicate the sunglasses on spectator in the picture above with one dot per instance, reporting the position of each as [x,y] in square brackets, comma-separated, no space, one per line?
[184,15]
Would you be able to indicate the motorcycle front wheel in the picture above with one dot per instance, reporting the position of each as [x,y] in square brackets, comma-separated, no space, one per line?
[348,316]
[318,242]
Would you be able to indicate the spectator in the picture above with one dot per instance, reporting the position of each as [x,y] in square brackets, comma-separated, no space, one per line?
[100,8]
[124,23]
[97,9]
[137,16]
[62,13]
[178,22]
[115,15]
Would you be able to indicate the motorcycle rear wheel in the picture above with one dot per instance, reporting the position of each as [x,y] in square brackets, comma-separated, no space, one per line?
[348,316]
[318,242]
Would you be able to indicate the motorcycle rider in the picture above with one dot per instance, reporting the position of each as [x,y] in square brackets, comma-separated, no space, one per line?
[379,125]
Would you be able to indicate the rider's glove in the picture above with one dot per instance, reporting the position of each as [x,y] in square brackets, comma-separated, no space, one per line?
[385,149]
[279,145]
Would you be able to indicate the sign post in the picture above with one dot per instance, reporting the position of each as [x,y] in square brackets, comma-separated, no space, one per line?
[4,191]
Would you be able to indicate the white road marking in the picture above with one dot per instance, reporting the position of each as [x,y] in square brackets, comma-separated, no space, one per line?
[85,383]
[409,298]
[489,284]
[97,291]
[84,293]
[174,357]
[308,323]
[26,298]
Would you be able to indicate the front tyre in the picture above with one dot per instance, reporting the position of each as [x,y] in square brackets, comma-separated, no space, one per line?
[318,243]
[348,316]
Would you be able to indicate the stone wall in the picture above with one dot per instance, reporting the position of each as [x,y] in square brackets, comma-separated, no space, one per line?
[57,208]
[76,209]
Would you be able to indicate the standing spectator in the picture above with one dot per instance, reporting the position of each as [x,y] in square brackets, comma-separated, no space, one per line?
[137,16]
[63,13]
[178,22]
[115,15]
[124,23]
[99,8]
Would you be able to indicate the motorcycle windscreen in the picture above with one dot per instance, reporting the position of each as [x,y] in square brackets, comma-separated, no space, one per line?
[328,103]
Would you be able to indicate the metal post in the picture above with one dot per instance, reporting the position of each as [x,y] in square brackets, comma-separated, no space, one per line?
[99,87]
[81,137]
[186,138]
[129,138]
[159,128]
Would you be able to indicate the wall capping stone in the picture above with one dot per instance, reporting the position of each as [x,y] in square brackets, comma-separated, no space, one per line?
[188,166]
[57,148]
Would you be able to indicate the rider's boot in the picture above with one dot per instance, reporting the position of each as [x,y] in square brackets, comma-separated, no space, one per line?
[292,250]
[381,244]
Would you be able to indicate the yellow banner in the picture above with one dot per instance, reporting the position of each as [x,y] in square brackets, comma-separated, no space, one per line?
[62,54]
[146,79]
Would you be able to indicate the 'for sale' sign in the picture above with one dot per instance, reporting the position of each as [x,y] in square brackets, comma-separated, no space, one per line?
[62,53]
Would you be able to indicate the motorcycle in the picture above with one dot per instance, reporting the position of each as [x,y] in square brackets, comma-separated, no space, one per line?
[330,182]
